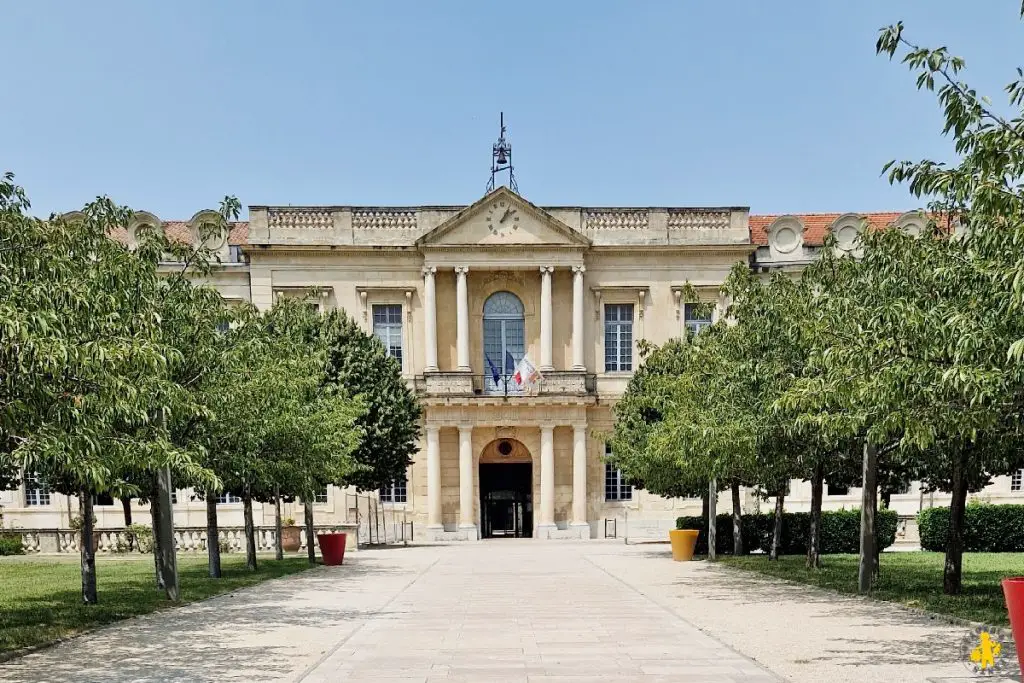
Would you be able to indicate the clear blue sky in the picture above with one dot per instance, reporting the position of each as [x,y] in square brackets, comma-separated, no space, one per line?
[781,106]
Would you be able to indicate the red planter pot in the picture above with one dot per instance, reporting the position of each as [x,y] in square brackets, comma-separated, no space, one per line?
[1013,590]
[332,548]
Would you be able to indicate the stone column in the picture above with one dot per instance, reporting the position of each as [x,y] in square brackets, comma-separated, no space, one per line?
[577,318]
[545,318]
[462,319]
[434,479]
[467,520]
[546,522]
[579,480]
[430,319]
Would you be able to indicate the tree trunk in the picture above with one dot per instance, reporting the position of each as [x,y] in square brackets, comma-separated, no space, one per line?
[126,506]
[212,535]
[168,549]
[87,548]
[154,514]
[814,533]
[278,548]
[307,509]
[780,506]
[951,575]
[250,533]
[868,503]
[712,520]
[737,519]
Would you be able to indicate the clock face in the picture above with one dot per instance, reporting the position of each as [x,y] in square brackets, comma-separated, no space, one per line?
[502,218]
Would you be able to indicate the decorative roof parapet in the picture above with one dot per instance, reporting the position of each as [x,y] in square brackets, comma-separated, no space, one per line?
[300,219]
[616,219]
[690,219]
[383,219]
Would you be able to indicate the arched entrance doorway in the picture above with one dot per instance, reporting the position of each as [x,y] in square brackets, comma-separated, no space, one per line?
[506,490]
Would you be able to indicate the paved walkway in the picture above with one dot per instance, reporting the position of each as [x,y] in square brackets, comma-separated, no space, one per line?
[513,611]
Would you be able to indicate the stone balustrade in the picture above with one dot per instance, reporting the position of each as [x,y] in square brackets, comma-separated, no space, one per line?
[187,539]
[449,384]
[554,382]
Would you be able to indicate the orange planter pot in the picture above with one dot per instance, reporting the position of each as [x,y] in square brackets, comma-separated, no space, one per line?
[684,541]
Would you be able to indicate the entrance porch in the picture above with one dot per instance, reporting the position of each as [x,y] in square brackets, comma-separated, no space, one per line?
[519,480]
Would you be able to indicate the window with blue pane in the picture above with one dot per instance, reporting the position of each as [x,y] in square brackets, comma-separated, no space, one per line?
[387,326]
[618,337]
[504,343]
[37,492]
[696,317]
[615,485]
[396,493]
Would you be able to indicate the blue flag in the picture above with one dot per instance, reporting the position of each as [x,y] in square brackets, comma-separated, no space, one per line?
[510,363]
[495,373]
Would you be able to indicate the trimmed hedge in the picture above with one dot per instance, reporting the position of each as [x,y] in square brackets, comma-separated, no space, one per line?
[10,544]
[988,528]
[840,531]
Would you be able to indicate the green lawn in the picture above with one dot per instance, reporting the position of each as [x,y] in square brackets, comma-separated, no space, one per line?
[40,599]
[909,578]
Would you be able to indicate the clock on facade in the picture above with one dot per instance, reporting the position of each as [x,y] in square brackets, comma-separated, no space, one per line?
[502,218]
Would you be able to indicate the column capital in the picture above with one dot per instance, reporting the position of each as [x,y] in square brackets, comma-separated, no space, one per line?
[429,270]
[465,428]
[461,269]
[580,428]
[547,269]
[579,269]
[432,429]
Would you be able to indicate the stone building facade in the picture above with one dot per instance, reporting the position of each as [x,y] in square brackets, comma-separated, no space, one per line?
[460,293]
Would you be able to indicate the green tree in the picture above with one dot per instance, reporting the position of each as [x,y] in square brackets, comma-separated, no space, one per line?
[390,425]
[278,429]
[84,383]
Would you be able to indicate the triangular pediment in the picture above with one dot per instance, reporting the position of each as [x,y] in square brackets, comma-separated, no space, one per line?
[502,217]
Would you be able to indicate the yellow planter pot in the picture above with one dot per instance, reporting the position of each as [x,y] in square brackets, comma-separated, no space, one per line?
[684,541]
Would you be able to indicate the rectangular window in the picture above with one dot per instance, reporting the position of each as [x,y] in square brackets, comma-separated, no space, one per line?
[321,496]
[228,498]
[387,326]
[615,485]
[618,337]
[36,491]
[696,317]
[1017,481]
[394,493]
[174,497]
[835,490]
[102,499]
[235,252]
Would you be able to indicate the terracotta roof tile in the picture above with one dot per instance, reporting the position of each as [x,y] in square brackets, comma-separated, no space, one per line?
[816,225]
[177,231]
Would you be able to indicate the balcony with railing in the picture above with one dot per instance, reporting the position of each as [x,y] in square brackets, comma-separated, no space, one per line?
[464,384]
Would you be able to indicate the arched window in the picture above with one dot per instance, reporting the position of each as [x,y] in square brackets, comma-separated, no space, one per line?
[503,340]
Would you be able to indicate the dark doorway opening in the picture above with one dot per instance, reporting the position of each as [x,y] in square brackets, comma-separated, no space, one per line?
[506,500]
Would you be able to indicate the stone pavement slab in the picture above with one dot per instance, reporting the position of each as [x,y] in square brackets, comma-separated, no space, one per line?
[513,610]
[806,634]
[522,610]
